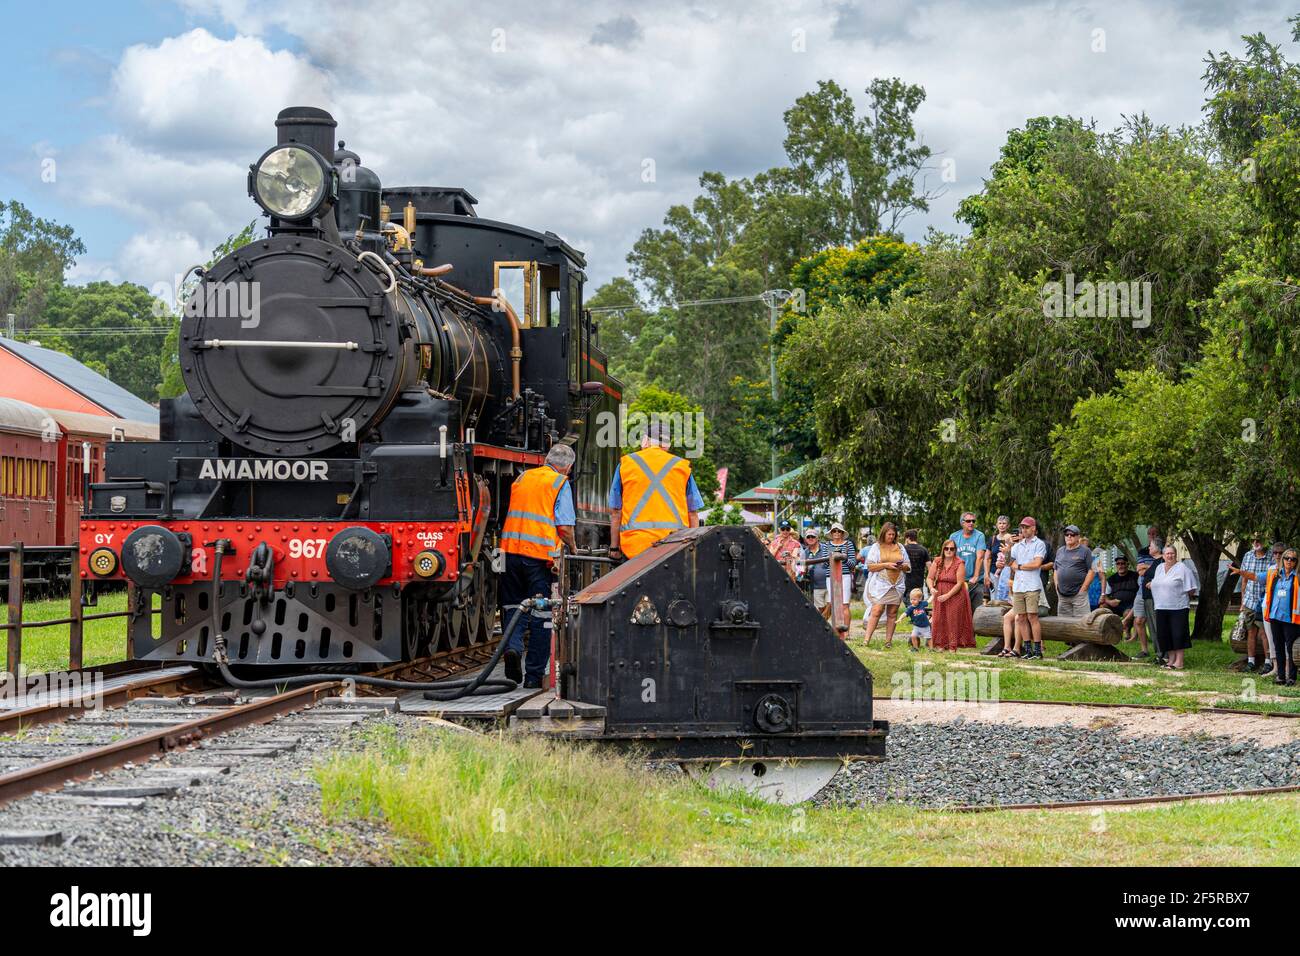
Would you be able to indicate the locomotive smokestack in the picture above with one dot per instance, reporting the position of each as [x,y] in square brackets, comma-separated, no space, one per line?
[308,126]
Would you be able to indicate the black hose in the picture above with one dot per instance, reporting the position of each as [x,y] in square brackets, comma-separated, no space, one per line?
[435,690]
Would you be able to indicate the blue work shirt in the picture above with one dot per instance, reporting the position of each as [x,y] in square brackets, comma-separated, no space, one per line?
[694,501]
[564,506]
[1280,609]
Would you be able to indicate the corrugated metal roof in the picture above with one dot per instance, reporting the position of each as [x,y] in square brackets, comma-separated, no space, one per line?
[104,393]
[19,416]
[104,426]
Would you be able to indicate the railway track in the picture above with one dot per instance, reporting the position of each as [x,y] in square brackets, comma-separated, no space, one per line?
[146,711]
[143,715]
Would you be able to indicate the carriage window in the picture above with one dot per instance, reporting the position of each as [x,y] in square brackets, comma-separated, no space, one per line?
[6,476]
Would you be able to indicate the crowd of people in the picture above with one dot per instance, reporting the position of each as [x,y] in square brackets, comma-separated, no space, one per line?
[939,594]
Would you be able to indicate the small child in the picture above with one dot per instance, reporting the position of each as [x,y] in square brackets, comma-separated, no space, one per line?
[1002,579]
[918,612]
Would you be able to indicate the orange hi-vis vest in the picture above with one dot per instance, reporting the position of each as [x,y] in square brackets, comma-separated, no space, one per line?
[530,523]
[1270,582]
[654,497]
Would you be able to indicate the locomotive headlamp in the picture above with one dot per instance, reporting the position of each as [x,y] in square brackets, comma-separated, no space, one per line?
[291,181]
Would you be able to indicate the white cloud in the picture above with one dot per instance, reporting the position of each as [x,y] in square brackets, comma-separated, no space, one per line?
[552,132]
[198,93]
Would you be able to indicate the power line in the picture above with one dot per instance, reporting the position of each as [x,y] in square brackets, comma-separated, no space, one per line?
[678,305]
[116,330]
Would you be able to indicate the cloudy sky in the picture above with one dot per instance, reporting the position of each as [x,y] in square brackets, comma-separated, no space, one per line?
[146,113]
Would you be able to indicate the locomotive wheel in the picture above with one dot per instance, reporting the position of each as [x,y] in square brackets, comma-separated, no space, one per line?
[415,627]
[439,627]
[473,622]
[487,607]
[776,781]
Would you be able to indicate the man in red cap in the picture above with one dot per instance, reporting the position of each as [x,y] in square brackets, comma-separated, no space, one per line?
[1027,557]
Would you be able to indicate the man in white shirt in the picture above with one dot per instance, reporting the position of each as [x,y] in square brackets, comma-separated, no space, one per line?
[1027,556]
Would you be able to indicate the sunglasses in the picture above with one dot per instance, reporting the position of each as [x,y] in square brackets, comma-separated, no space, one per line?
[949,550]
[967,520]
[1290,558]
[1071,534]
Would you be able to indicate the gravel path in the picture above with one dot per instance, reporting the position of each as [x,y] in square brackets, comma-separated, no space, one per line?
[976,762]
[263,810]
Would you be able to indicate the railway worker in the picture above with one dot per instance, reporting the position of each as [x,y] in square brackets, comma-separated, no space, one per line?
[653,494]
[539,523]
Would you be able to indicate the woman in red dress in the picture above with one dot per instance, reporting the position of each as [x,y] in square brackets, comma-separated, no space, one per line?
[952,627]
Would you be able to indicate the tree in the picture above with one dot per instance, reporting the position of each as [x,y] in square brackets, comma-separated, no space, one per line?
[34,255]
[849,175]
[1253,111]
[168,360]
[691,430]
[628,333]
[949,394]
[1173,452]
[125,351]
[870,271]
[864,168]
[723,514]
[1025,153]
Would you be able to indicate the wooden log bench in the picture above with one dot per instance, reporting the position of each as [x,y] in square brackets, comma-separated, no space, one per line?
[1093,638]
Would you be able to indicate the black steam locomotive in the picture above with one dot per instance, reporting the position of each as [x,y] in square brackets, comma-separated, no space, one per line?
[363,385]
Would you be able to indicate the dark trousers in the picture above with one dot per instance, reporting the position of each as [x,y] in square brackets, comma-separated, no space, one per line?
[1284,636]
[524,578]
[976,594]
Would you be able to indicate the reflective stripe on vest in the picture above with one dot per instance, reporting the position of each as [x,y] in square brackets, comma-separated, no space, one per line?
[529,527]
[654,497]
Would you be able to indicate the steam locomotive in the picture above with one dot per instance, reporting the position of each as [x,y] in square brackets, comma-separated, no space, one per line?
[363,385]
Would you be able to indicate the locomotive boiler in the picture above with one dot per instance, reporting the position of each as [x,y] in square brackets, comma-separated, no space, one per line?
[362,384]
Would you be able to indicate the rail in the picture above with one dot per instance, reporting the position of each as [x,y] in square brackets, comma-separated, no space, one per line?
[15,625]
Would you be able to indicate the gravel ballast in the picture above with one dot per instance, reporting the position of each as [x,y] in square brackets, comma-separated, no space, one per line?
[264,810]
[975,762]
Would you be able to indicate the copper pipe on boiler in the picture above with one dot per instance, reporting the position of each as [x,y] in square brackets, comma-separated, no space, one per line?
[436,271]
[516,352]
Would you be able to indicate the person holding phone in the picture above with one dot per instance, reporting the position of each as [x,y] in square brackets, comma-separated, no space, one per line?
[887,567]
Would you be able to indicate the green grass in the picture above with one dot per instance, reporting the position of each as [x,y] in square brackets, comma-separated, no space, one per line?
[466,799]
[46,648]
[1205,682]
